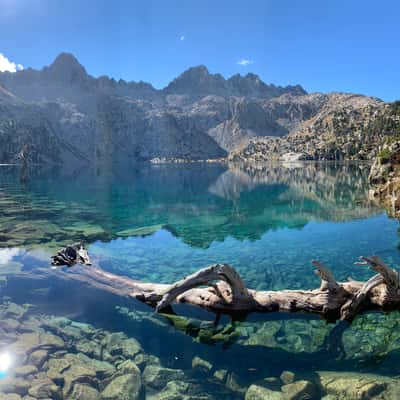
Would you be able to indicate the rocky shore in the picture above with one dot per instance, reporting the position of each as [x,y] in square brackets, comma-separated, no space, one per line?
[385,178]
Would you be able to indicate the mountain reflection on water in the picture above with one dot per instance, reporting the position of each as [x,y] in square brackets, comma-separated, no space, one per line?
[199,204]
[160,222]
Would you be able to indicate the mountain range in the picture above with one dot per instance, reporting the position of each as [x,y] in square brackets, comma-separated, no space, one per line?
[66,115]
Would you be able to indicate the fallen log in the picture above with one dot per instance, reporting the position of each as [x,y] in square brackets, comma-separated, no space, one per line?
[220,289]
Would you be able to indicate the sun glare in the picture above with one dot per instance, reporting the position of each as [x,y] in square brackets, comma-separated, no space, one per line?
[5,363]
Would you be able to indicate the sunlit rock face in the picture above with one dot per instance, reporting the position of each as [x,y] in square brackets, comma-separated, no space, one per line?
[198,116]
[385,178]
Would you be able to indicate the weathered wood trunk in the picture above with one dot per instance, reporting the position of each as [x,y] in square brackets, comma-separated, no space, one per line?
[220,289]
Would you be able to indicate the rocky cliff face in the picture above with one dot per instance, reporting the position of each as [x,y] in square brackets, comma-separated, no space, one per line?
[336,126]
[384,176]
[64,113]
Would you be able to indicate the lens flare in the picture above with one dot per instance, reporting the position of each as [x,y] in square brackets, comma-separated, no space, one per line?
[5,363]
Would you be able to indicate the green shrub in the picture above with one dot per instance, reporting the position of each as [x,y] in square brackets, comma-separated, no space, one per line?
[384,154]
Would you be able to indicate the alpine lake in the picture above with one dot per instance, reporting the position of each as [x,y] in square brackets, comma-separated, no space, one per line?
[63,340]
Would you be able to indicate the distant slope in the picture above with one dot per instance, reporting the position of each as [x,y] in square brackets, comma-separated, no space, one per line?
[336,126]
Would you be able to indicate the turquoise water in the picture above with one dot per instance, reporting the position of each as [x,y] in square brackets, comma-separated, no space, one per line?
[158,223]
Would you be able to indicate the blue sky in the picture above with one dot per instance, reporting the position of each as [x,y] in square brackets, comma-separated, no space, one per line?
[336,45]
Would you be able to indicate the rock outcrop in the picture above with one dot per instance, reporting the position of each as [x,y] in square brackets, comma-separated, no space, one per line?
[345,127]
[65,114]
[385,178]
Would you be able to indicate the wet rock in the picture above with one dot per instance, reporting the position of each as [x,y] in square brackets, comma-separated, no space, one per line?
[83,392]
[9,325]
[232,383]
[25,370]
[14,311]
[70,332]
[50,341]
[56,366]
[45,389]
[179,390]
[221,374]
[299,390]
[29,325]
[157,376]
[10,396]
[78,374]
[201,364]
[85,329]
[257,392]
[352,386]
[27,343]
[77,368]
[118,344]
[272,383]
[172,390]
[38,357]
[90,348]
[287,377]
[15,385]
[127,367]
[131,347]
[142,360]
[102,369]
[124,387]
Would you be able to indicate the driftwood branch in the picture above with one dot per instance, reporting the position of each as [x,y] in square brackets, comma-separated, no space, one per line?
[230,290]
[220,289]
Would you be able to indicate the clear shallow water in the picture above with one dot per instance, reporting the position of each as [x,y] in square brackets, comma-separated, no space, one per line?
[158,223]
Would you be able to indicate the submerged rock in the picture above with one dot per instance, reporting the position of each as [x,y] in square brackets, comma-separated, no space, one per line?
[287,377]
[172,390]
[142,359]
[84,392]
[201,364]
[38,357]
[119,344]
[45,389]
[14,385]
[124,387]
[299,390]
[10,396]
[257,392]
[25,370]
[127,367]
[232,383]
[157,377]
[221,374]
[353,386]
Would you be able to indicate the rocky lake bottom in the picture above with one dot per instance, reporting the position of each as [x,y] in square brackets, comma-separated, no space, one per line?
[62,340]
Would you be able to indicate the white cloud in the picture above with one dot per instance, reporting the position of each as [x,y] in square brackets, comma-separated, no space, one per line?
[6,255]
[244,62]
[182,38]
[7,65]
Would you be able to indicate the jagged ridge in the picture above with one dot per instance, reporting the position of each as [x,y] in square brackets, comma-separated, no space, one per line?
[199,115]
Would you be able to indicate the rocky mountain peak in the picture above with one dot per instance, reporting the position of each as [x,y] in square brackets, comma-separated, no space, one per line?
[252,85]
[197,81]
[199,70]
[66,68]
